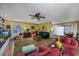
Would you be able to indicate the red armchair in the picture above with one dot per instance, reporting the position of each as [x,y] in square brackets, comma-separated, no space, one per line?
[42,51]
[70,45]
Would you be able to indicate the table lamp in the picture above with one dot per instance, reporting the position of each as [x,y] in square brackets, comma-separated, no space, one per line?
[58,31]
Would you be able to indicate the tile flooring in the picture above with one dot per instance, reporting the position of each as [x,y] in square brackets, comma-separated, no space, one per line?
[9,51]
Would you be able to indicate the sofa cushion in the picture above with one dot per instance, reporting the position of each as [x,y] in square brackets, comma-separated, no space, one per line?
[29,48]
[43,51]
[54,52]
[42,48]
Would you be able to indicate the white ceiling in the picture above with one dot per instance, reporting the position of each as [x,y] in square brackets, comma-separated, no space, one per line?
[57,12]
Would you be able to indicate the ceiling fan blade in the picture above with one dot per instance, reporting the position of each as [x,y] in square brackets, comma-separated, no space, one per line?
[41,17]
[31,15]
[32,18]
[38,14]
[38,18]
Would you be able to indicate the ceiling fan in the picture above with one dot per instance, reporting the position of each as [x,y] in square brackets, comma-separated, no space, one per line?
[37,16]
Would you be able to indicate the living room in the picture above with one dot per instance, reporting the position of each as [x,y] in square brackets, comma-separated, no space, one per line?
[42,29]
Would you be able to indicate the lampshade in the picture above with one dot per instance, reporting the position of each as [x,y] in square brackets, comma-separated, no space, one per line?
[58,30]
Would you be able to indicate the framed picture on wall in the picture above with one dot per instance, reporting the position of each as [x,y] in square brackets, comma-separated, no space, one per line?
[44,28]
[1,20]
[32,27]
[67,28]
[16,27]
[8,26]
[37,28]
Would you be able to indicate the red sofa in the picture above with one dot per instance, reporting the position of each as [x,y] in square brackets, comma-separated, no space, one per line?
[70,45]
[42,51]
[54,52]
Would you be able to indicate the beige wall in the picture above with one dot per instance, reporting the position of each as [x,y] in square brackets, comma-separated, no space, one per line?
[26,25]
[78,26]
[47,25]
